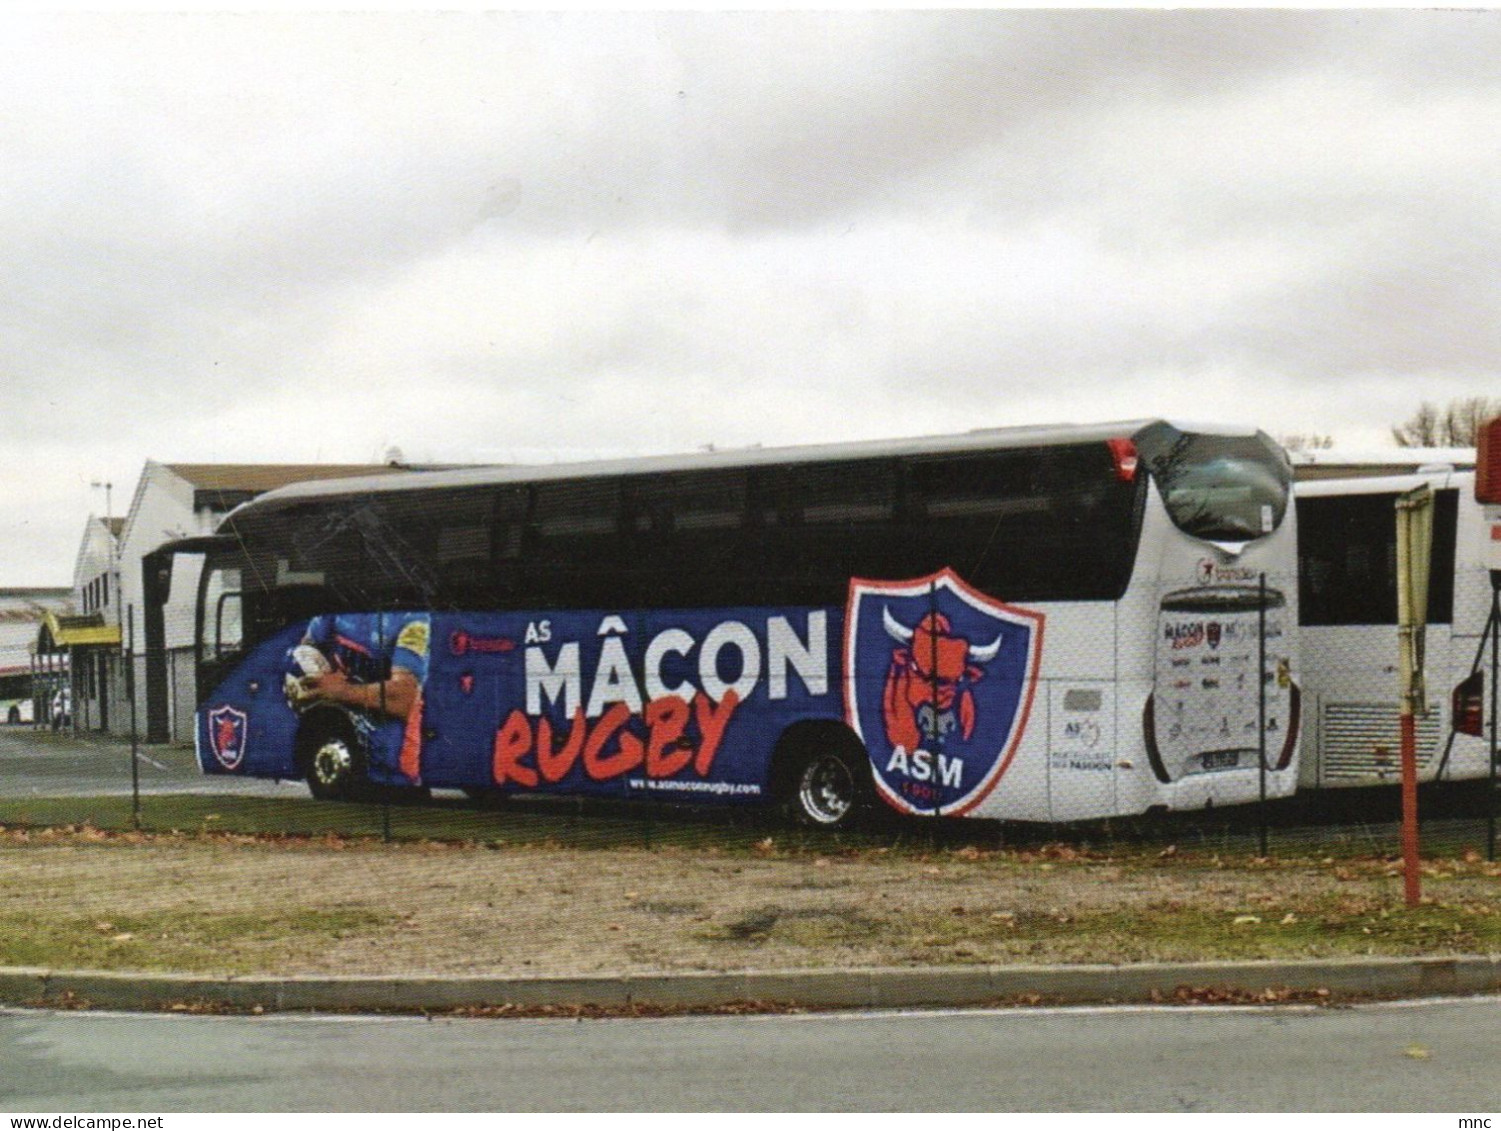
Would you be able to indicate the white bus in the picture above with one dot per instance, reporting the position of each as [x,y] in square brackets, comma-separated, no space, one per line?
[1347,567]
[1040,624]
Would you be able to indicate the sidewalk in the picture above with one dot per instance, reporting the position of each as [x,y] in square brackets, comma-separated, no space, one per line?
[1323,982]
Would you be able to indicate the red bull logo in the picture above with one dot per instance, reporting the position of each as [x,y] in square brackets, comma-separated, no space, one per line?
[957,672]
[227,727]
[930,689]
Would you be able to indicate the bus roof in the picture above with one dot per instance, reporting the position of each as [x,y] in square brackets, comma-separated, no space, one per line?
[980,439]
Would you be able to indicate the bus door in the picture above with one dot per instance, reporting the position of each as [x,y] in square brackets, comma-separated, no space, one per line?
[221,621]
[168,572]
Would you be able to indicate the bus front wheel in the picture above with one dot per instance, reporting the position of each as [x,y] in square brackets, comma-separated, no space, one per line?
[331,755]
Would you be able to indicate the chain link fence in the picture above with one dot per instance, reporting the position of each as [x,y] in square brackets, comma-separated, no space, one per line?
[1184,746]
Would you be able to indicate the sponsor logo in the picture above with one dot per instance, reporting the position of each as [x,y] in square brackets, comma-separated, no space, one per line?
[1184,634]
[460,643]
[227,729]
[1211,572]
[1085,732]
[960,670]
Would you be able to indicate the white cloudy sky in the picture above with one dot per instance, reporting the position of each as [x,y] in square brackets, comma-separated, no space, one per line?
[286,238]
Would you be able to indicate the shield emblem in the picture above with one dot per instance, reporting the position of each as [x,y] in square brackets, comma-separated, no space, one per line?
[938,683]
[227,728]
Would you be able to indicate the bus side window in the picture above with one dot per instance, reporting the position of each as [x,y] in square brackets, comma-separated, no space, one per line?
[1347,559]
[826,523]
[688,539]
[507,543]
[574,544]
[223,621]
[1035,523]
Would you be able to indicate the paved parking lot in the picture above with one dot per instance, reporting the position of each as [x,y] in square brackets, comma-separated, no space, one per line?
[37,763]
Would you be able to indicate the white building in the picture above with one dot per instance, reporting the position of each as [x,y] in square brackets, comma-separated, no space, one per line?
[22,614]
[171,501]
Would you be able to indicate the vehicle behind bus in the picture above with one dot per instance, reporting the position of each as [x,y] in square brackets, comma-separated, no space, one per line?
[1348,608]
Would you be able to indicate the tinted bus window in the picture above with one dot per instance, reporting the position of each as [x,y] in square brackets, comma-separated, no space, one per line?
[1033,524]
[1347,559]
[576,544]
[689,545]
[826,523]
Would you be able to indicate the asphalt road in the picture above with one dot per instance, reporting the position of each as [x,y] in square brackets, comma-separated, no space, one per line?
[1434,1056]
[43,764]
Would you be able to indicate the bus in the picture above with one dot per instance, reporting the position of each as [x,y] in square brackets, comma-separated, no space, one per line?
[1039,624]
[1347,570]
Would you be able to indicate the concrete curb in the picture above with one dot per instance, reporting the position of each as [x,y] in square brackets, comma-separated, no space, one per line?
[860,988]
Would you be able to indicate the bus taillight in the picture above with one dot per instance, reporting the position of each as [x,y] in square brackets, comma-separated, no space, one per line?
[1468,705]
[1123,453]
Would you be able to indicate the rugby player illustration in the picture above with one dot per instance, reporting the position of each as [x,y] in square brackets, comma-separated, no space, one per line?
[374,664]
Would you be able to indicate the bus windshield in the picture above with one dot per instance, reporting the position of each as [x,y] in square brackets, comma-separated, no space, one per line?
[1219,488]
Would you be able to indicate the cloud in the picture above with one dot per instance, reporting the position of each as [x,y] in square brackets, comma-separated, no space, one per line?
[287,237]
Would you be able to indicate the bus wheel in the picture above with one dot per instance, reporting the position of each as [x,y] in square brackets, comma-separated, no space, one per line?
[826,791]
[13,716]
[331,755]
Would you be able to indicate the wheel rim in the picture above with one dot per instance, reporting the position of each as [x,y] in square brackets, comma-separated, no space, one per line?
[332,763]
[826,790]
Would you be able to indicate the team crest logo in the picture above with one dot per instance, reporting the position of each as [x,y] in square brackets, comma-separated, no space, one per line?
[938,683]
[227,727]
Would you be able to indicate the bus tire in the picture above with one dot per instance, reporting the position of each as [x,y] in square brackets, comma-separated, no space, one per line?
[823,777]
[13,716]
[331,755]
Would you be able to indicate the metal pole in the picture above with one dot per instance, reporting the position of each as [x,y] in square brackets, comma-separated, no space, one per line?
[382,673]
[1490,806]
[1261,713]
[1414,548]
[937,736]
[135,766]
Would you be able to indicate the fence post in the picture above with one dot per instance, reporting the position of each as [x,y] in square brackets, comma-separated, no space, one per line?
[937,737]
[1261,713]
[1414,520]
[1490,797]
[130,691]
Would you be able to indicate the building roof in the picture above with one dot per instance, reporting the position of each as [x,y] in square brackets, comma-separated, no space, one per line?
[1344,463]
[76,631]
[258,477]
[36,593]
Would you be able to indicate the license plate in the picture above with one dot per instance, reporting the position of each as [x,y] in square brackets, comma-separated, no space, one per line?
[1220,759]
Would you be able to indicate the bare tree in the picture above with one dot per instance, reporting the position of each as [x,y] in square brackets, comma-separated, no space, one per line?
[1454,426]
[1464,417]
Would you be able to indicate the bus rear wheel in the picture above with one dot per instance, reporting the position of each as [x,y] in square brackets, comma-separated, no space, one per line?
[826,791]
[331,755]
